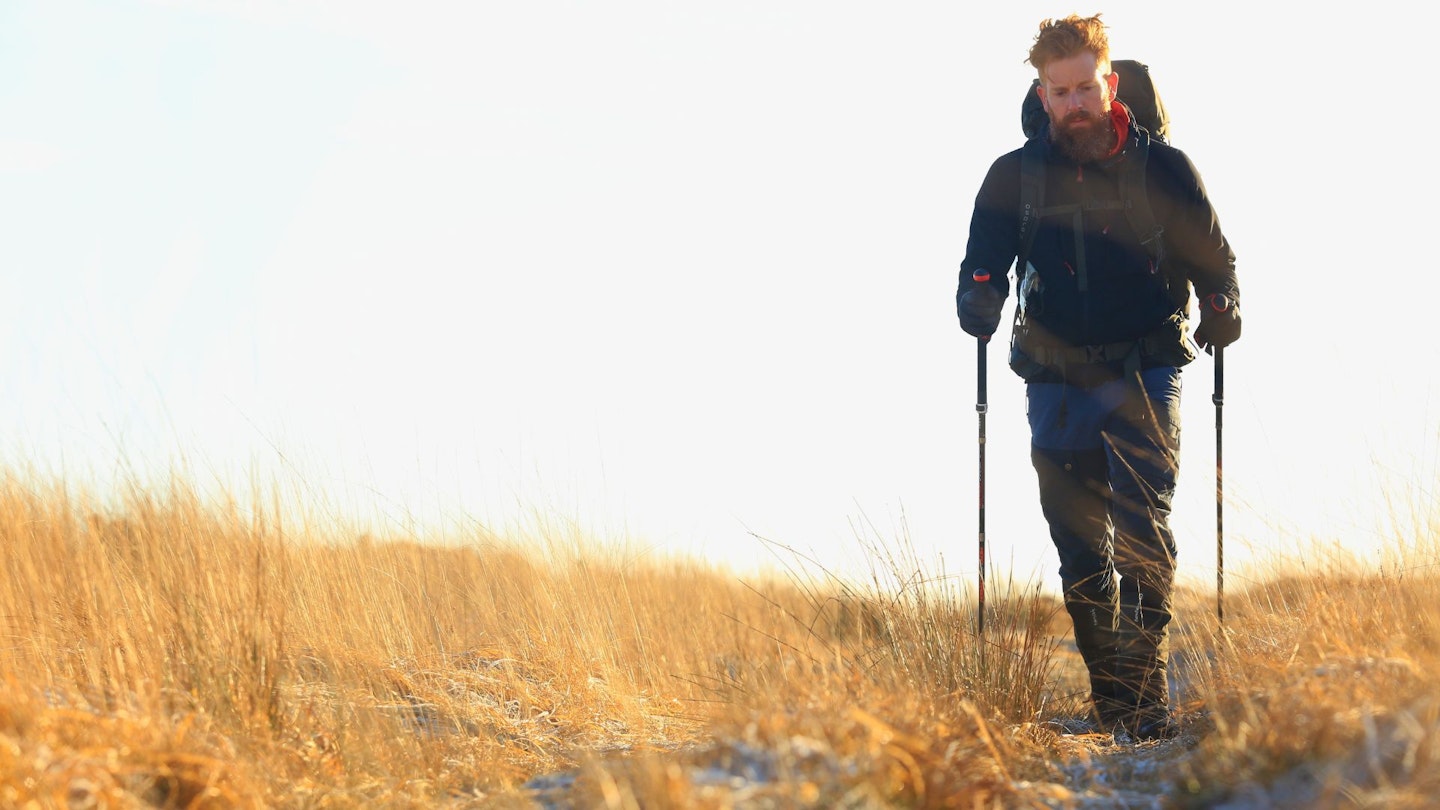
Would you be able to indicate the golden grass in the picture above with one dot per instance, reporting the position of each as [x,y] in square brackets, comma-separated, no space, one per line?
[1323,688]
[171,652]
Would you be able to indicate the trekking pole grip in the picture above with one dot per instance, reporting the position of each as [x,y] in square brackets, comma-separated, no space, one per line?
[981,404]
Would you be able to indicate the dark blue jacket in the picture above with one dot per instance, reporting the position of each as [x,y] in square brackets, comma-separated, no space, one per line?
[1113,295]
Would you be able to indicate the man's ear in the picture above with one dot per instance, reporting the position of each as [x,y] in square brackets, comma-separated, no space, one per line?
[1113,80]
[1040,91]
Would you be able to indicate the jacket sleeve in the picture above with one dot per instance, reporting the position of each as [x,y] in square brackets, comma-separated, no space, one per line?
[994,227]
[1193,237]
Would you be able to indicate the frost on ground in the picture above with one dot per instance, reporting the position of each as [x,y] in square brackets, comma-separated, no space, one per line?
[1096,771]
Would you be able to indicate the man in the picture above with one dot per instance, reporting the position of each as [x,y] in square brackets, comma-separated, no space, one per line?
[1101,332]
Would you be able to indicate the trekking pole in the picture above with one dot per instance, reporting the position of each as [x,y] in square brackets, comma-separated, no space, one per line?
[1219,399]
[981,406]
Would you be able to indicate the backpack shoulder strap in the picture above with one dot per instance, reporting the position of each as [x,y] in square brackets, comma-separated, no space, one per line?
[1138,211]
[1032,198]
[1033,160]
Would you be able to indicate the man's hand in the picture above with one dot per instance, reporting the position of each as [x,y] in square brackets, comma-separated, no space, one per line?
[1219,322]
[979,310]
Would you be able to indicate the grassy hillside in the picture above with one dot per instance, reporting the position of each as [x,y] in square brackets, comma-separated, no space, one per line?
[174,653]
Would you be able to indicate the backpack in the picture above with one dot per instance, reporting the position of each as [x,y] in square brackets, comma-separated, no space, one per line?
[1137,91]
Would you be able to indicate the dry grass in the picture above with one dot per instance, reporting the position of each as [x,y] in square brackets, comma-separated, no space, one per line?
[174,653]
[1323,689]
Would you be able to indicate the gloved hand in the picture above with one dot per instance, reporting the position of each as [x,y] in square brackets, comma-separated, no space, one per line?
[1219,322]
[979,310]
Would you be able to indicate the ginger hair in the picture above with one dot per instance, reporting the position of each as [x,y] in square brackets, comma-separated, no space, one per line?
[1061,39]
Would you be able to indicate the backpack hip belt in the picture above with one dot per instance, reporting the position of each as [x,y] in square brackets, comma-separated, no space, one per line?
[1059,356]
[1167,344]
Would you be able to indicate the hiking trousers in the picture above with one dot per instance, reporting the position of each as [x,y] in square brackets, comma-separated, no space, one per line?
[1107,458]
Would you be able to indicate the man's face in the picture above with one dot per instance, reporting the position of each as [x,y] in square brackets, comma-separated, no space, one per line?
[1077,96]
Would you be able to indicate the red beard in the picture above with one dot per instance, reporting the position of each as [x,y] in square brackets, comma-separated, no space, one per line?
[1083,138]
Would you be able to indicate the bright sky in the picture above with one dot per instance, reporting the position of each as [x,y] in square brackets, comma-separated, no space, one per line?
[674,271]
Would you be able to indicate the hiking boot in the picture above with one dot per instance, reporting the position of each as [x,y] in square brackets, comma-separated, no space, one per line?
[1161,727]
[1140,721]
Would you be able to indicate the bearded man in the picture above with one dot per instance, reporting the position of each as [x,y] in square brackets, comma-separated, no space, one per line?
[1101,334]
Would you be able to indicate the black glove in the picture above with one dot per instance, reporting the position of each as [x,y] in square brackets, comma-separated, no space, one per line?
[1219,321]
[979,310]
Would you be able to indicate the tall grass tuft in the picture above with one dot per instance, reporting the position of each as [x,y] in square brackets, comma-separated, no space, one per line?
[914,627]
